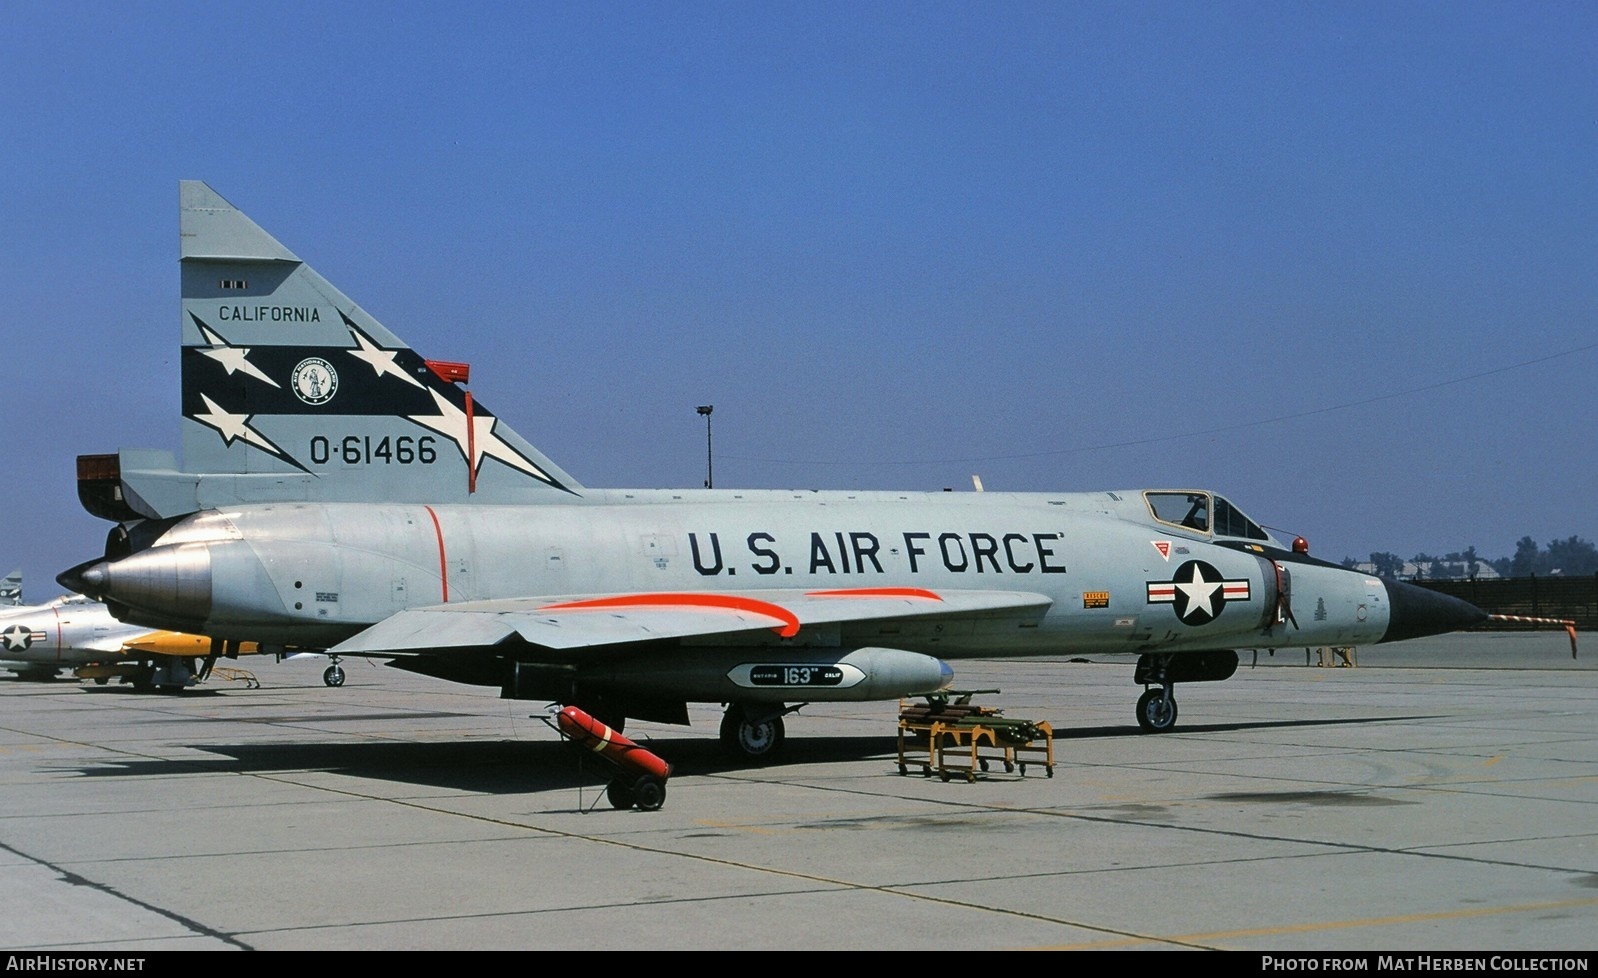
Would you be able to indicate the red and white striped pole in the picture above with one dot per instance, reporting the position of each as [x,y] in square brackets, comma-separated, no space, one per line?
[1570,626]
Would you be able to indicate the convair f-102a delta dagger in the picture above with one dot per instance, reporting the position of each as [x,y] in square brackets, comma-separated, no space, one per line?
[341,494]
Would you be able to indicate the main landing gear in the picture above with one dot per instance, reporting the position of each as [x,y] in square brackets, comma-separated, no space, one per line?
[334,676]
[753,731]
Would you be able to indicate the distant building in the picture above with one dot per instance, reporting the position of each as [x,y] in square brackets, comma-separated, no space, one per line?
[1439,570]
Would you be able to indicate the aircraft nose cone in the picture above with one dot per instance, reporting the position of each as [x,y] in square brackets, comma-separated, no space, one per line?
[170,583]
[1416,612]
[86,578]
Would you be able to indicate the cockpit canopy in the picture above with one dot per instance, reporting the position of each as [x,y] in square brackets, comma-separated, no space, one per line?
[1202,512]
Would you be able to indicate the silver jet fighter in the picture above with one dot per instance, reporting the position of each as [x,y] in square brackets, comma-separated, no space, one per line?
[76,632]
[339,493]
[38,641]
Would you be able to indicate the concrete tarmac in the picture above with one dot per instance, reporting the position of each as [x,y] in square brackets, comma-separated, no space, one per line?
[1440,797]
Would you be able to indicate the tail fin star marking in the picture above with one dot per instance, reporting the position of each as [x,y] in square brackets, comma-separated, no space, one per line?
[234,359]
[236,427]
[476,438]
[376,357]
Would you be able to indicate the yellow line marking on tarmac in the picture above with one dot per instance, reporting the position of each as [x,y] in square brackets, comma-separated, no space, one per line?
[1413,918]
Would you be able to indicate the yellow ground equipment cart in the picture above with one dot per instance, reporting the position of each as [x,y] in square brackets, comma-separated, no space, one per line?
[957,737]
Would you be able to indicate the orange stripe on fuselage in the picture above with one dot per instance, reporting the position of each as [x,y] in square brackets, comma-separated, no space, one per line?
[443,569]
[725,602]
[877,592]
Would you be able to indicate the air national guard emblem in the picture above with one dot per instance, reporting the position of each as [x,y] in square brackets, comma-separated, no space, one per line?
[315,381]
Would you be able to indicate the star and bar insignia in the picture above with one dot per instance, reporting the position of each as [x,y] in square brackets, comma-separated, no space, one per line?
[1199,592]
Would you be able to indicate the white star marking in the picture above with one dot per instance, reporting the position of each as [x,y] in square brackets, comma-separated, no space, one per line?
[379,359]
[451,423]
[17,638]
[233,427]
[1200,593]
[233,358]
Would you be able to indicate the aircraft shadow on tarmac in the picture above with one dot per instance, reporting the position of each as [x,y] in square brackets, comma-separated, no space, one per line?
[488,767]
[514,767]
[1129,730]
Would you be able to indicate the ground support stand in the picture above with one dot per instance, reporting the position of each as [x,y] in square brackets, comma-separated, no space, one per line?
[961,739]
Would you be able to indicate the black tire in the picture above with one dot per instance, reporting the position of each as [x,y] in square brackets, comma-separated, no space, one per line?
[334,676]
[1155,713]
[620,794]
[649,793]
[757,742]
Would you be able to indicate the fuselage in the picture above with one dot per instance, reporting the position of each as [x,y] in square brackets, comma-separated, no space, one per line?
[72,630]
[1118,578]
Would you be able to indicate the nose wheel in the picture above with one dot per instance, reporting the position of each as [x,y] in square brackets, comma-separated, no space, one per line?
[1156,709]
[334,676]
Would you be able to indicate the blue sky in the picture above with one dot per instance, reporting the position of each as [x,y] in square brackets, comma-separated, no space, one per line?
[1338,261]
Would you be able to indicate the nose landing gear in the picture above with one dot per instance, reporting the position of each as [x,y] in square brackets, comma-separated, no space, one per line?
[1156,709]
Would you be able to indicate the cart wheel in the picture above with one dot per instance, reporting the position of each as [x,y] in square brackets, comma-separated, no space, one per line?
[945,776]
[971,777]
[649,792]
[903,769]
[1051,772]
[1023,769]
[984,763]
[1008,767]
[620,794]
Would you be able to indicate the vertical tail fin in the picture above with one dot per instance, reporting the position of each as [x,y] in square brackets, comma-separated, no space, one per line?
[11,588]
[292,392]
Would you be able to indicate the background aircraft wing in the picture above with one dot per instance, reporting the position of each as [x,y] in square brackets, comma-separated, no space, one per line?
[588,621]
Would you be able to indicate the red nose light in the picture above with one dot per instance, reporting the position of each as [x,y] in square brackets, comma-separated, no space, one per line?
[1300,545]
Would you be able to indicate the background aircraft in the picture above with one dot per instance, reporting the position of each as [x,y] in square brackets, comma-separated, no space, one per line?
[340,493]
[78,633]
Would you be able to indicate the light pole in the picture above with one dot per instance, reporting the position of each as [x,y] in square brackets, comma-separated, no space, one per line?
[710,482]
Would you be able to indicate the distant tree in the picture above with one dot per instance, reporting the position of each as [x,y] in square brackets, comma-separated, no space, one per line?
[1503,565]
[1451,564]
[1524,563]
[1387,564]
[1573,556]
[1425,565]
[1350,563]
